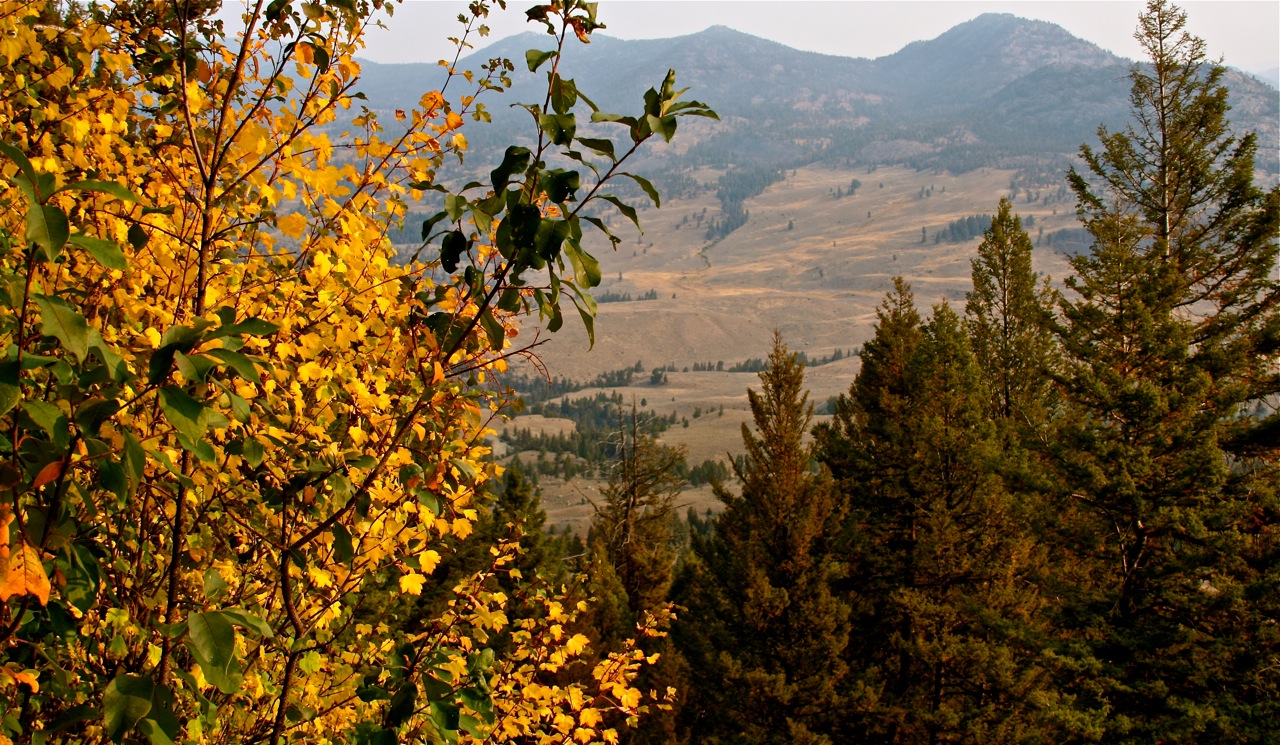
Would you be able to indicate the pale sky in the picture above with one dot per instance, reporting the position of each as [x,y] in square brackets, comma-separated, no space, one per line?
[1245,32]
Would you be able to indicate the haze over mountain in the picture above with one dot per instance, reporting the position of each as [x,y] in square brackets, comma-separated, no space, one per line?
[997,91]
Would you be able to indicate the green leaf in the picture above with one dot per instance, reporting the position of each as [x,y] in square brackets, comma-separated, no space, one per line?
[455,205]
[452,248]
[249,326]
[402,704]
[248,621]
[138,237]
[644,184]
[194,367]
[107,253]
[559,127]
[83,576]
[91,413]
[586,270]
[343,547]
[134,461]
[126,700]
[238,362]
[106,187]
[445,716]
[213,642]
[20,158]
[185,413]
[254,453]
[624,208]
[599,146]
[63,322]
[47,227]
[600,116]
[10,395]
[534,58]
[47,417]
[564,94]
[214,585]
[154,733]
[662,125]
[492,329]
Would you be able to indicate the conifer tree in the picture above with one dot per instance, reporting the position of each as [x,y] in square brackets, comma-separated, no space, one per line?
[763,633]
[939,553]
[1169,333]
[1006,317]
[634,527]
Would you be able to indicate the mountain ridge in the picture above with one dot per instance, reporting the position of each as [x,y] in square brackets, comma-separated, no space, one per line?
[996,91]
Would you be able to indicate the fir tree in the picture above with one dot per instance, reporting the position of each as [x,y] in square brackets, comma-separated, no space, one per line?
[939,553]
[635,524]
[1006,317]
[1170,333]
[763,633]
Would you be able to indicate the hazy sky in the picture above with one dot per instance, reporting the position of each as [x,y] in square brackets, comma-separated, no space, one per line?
[1245,32]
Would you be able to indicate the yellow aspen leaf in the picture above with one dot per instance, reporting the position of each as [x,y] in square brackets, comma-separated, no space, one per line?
[292,225]
[412,583]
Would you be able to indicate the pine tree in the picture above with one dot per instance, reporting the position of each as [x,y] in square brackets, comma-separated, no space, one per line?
[1170,332]
[635,525]
[1006,317]
[763,633]
[939,552]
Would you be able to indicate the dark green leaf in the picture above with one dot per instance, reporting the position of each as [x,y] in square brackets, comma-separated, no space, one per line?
[91,413]
[513,160]
[402,705]
[534,58]
[600,146]
[343,547]
[186,414]
[126,700]
[644,184]
[559,127]
[48,228]
[238,362]
[138,236]
[249,326]
[63,322]
[564,94]
[83,577]
[107,253]
[624,208]
[254,452]
[586,269]
[492,329]
[154,733]
[452,248]
[213,642]
[430,223]
[10,395]
[248,621]
[106,187]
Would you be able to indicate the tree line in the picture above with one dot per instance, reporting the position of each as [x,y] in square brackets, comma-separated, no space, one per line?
[1048,516]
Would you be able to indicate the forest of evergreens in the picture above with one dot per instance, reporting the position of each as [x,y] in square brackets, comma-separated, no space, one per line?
[1047,516]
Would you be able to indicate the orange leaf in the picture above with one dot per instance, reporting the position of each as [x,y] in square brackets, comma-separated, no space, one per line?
[23,574]
[47,474]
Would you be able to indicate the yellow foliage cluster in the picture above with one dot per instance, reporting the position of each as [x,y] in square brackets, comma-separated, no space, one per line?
[228,432]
